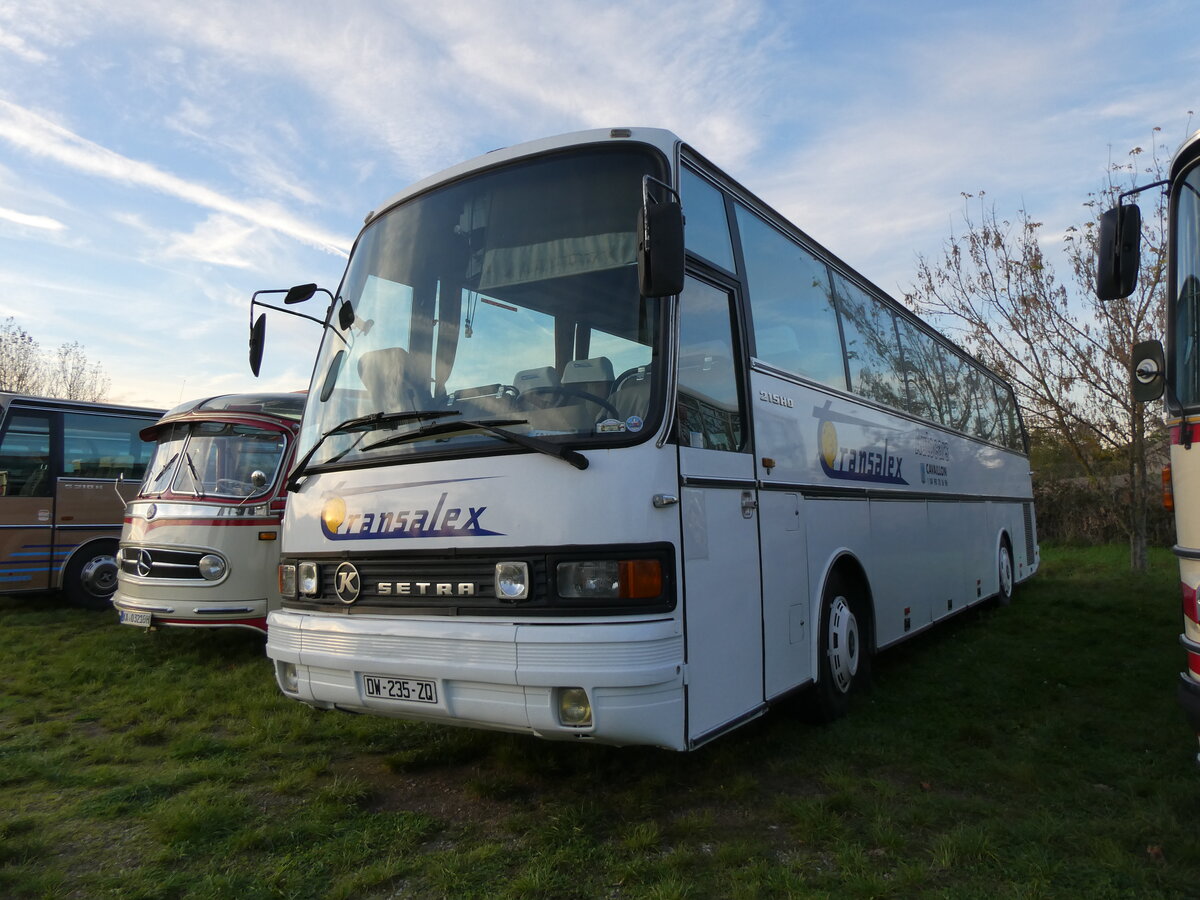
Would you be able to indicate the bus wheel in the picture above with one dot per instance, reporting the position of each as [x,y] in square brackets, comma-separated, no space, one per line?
[845,656]
[91,576]
[1006,574]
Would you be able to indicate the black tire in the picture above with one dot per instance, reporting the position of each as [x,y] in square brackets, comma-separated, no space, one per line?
[844,661]
[1004,565]
[90,578]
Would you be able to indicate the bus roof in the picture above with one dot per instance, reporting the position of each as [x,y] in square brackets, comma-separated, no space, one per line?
[288,407]
[58,403]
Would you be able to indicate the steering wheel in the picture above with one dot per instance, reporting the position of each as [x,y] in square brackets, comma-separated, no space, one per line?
[560,390]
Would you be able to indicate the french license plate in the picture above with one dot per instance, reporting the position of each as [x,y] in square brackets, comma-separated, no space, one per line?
[141,619]
[405,690]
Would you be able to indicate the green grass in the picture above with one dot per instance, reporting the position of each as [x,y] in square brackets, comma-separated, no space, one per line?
[1028,751]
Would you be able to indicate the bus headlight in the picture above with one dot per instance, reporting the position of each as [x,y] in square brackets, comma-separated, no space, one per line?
[287,581]
[212,567]
[512,581]
[610,579]
[309,579]
[574,708]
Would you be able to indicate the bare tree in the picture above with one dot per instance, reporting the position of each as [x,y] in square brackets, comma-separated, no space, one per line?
[20,360]
[66,372]
[1066,354]
[72,375]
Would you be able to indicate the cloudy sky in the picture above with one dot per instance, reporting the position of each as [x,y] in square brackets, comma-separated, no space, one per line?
[159,162]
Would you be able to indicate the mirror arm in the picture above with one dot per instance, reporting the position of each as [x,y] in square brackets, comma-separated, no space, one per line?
[1145,187]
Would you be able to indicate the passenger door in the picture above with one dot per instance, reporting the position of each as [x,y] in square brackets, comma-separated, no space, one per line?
[723,605]
[26,501]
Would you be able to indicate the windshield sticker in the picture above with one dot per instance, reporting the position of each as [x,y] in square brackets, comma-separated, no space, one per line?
[609,426]
[634,423]
[340,524]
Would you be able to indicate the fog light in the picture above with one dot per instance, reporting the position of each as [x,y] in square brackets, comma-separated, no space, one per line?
[288,677]
[212,567]
[287,581]
[574,709]
[512,581]
[309,577]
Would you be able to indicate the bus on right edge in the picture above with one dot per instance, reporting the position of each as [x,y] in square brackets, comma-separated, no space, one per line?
[1173,370]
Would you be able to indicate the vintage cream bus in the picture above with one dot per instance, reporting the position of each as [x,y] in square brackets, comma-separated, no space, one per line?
[60,512]
[201,539]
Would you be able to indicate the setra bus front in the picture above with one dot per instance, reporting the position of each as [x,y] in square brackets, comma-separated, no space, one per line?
[482,528]
[200,544]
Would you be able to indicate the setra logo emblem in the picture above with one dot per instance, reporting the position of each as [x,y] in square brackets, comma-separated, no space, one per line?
[346,583]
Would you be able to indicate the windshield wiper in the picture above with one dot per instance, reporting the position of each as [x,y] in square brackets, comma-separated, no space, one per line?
[497,427]
[364,424]
[170,462]
[197,486]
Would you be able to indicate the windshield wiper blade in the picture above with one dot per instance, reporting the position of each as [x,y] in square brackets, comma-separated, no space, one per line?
[497,427]
[197,486]
[363,424]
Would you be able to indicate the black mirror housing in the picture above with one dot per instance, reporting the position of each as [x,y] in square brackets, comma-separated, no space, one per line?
[1118,252]
[258,338]
[1147,371]
[299,293]
[660,249]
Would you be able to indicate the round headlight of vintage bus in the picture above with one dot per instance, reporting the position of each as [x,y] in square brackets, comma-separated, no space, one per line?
[212,567]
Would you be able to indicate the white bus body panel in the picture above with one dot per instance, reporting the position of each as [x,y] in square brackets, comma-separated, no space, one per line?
[497,671]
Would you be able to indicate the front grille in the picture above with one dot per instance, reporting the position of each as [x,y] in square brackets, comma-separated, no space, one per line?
[459,583]
[156,562]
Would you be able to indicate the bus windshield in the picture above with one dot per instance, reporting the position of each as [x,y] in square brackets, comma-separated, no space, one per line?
[508,299]
[214,459]
[1186,313]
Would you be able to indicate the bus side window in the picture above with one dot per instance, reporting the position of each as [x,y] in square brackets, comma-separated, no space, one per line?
[795,325]
[709,412]
[101,446]
[25,457]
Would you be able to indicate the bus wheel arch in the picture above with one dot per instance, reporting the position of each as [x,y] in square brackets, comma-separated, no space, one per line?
[1006,580]
[90,575]
[845,640]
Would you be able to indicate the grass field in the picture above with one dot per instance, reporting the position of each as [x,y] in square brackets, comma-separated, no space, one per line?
[1028,751]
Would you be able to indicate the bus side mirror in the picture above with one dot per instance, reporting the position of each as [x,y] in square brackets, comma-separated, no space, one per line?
[660,249]
[1148,371]
[1118,252]
[258,337]
[299,293]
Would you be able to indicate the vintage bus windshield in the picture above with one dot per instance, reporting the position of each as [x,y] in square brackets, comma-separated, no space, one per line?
[214,459]
[1185,253]
[508,298]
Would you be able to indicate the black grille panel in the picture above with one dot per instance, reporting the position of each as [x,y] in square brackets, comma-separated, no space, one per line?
[155,562]
[464,583]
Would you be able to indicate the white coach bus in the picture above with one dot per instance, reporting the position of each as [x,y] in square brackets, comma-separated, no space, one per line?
[563,472]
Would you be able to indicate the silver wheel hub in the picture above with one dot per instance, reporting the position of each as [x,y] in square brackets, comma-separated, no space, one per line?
[99,576]
[1006,572]
[844,646]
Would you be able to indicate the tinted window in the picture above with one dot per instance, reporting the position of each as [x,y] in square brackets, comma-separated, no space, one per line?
[708,412]
[707,231]
[25,457]
[872,348]
[923,373]
[96,446]
[795,325]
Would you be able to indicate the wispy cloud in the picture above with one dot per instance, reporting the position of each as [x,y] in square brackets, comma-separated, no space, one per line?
[29,221]
[37,135]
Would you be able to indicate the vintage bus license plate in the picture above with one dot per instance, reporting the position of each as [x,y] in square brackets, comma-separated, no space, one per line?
[406,690]
[141,619]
